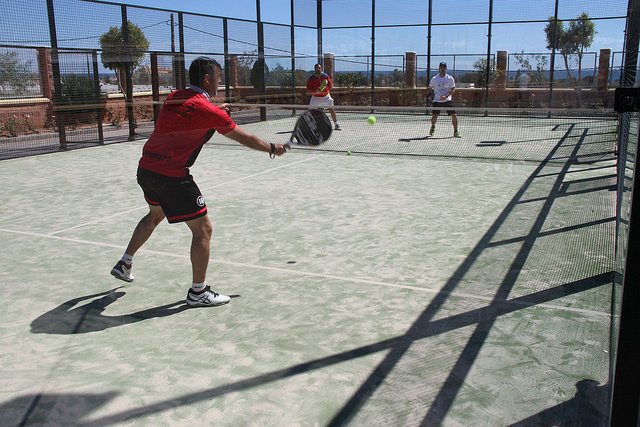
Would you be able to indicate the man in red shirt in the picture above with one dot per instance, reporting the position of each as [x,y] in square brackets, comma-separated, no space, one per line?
[185,123]
[318,86]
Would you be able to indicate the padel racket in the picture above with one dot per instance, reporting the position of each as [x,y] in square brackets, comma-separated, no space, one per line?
[312,128]
[323,85]
[430,98]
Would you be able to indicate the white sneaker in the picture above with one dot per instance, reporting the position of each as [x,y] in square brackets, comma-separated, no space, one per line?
[206,298]
[122,271]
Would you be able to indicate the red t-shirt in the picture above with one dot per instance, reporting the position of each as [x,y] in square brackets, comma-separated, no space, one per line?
[185,123]
[315,83]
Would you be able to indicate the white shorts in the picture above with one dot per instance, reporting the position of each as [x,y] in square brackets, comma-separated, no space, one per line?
[321,101]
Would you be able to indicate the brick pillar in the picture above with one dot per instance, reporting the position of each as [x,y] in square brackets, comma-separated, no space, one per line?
[501,68]
[233,71]
[46,72]
[603,69]
[602,85]
[328,65]
[410,73]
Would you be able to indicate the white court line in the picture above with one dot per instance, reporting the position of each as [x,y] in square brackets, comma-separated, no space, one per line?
[324,276]
[266,171]
[222,184]
[95,221]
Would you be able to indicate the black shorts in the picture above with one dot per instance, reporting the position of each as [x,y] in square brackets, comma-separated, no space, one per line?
[179,198]
[448,104]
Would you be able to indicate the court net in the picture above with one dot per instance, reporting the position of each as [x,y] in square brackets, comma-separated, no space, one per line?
[494,134]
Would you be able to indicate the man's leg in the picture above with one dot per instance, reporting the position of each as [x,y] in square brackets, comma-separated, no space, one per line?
[454,122]
[142,232]
[201,295]
[333,115]
[200,243]
[434,119]
[144,229]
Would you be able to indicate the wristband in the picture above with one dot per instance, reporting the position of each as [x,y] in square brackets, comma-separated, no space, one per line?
[273,147]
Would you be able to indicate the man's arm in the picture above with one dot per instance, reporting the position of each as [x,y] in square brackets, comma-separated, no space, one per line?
[329,84]
[310,88]
[252,141]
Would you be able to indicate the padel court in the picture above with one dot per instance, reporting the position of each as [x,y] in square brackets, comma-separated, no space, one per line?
[468,287]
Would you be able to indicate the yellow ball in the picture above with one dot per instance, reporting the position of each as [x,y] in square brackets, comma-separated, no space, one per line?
[371,120]
[348,153]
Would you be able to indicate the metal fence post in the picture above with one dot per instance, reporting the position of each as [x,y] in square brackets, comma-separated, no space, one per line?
[227,62]
[261,64]
[127,73]
[155,86]
[98,96]
[373,52]
[488,71]
[553,54]
[57,82]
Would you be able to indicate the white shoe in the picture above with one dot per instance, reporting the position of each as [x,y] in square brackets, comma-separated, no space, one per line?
[206,298]
[122,271]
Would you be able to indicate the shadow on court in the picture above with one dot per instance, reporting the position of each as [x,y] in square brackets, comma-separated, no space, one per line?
[485,318]
[75,407]
[482,317]
[69,319]
[583,409]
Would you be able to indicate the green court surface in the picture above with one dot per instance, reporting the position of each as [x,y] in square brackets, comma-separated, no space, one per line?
[367,290]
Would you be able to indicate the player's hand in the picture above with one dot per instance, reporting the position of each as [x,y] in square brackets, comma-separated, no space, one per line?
[226,107]
[280,149]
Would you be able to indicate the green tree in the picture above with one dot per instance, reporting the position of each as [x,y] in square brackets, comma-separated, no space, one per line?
[584,32]
[14,74]
[351,80]
[259,73]
[280,76]
[78,90]
[578,35]
[118,55]
[245,65]
[397,78]
[481,71]
[524,63]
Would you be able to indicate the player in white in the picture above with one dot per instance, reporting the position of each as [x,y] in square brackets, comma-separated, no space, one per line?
[443,86]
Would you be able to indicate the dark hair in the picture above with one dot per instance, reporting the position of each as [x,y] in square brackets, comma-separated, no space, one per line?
[199,67]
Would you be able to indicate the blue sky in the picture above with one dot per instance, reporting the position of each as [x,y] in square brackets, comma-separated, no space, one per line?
[80,24]
[465,38]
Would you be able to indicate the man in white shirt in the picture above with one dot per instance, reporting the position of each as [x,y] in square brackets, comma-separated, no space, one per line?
[523,83]
[443,86]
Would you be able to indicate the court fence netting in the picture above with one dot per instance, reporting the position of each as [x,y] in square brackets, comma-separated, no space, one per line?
[547,135]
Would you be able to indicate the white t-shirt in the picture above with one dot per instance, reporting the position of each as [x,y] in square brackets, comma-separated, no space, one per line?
[442,86]
[523,80]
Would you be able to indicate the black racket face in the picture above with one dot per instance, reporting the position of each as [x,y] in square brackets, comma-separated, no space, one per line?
[312,128]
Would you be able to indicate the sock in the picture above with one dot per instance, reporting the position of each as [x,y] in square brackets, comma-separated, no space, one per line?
[128,259]
[198,287]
